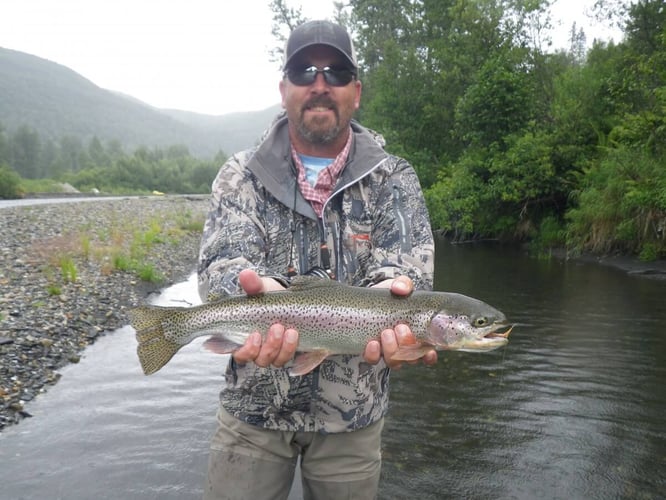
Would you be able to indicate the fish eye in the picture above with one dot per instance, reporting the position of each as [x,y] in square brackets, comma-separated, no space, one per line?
[480,321]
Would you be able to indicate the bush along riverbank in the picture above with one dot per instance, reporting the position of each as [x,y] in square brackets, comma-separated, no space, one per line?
[69,272]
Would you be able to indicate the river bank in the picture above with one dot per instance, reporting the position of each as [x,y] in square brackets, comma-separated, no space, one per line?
[630,265]
[70,272]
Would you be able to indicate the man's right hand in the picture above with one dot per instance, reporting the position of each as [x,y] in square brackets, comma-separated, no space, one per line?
[280,344]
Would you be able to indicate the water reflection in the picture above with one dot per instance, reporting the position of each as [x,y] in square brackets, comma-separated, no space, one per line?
[572,408]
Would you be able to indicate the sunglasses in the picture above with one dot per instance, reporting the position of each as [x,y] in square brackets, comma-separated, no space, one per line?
[336,76]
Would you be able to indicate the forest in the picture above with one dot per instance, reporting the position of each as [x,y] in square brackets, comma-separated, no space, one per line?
[511,140]
[32,164]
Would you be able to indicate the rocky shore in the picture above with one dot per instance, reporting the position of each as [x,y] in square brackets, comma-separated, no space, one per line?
[69,272]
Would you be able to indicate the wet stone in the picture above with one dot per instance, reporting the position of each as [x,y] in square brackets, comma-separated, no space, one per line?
[43,331]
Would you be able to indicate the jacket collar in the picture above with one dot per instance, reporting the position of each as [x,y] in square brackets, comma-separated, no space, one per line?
[273,166]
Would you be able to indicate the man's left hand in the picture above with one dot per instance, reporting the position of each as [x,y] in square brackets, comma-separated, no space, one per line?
[392,339]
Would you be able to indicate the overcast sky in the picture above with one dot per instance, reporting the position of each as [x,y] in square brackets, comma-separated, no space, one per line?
[208,56]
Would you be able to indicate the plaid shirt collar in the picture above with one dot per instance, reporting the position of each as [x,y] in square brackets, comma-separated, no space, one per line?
[326,179]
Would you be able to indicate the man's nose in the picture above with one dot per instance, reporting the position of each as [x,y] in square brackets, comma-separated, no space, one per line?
[320,82]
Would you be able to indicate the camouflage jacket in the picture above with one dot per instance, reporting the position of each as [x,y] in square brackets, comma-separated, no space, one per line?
[376,226]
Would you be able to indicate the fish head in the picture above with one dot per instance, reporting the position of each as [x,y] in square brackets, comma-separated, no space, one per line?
[467,324]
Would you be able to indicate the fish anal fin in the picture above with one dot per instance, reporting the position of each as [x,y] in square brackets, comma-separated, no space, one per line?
[411,352]
[305,362]
[220,345]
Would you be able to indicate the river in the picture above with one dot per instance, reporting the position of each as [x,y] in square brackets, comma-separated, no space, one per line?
[573,408]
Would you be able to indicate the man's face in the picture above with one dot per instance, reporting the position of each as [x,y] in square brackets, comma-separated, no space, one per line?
[319,113]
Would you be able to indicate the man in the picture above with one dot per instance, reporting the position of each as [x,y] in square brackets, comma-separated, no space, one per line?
[318,195]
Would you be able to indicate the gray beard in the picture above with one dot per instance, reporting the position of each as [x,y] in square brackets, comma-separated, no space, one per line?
[319,137]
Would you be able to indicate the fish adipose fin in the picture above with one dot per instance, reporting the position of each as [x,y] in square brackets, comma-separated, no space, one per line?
[154,349]
[305,362]
[411,352]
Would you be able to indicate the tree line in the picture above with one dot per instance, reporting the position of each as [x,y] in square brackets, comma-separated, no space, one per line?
[28,163]
[512,140]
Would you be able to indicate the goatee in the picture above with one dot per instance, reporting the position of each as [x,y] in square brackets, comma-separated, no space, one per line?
[317,132]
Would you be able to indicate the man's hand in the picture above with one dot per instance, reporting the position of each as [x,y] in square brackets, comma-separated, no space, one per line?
[392,339]
[280,344]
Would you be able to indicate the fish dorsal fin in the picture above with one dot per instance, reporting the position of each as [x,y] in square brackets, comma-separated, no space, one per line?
[305,283]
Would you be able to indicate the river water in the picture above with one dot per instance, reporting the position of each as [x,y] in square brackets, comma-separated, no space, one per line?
[573,408]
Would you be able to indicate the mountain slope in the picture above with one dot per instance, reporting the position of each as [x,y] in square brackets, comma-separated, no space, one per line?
[56,102]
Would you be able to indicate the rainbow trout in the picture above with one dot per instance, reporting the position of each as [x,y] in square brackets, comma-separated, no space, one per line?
[331,318]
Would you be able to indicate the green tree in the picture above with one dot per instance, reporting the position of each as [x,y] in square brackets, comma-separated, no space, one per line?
[97,154]
[10,182]
[621,206]
[577,41]
[644,28]
[49,160]
[202,177]
[285,19]
[501,102]
[5,152]
[421,57]
[25,152]
[621,201]
[71,152]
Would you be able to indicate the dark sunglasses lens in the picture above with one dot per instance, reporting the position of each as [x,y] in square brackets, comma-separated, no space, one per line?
[301,77]
[337,77]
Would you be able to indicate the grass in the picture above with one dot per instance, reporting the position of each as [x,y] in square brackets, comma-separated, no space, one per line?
[188,222]
[125,245]
[147,272]
[68,269]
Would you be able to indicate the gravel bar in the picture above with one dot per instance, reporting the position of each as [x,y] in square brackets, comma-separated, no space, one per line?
[60,283]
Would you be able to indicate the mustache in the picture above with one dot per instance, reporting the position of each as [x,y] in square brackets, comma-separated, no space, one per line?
[323,101]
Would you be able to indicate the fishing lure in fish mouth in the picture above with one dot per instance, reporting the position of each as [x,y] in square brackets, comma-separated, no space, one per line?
[330,317]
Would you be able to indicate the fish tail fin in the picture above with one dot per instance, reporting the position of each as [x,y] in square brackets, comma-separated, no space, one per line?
[153,348]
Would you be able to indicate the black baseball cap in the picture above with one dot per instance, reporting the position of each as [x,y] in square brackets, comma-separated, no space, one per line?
[319,33]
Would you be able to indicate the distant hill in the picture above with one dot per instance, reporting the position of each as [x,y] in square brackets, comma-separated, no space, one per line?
[56,101]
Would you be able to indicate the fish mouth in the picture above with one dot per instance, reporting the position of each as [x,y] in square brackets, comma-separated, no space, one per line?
[497,337]
[499,334]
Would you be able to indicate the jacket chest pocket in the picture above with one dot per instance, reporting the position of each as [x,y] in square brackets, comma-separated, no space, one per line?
[356,236]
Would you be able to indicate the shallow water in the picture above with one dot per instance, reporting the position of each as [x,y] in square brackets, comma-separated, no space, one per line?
[27,202]
[108,431]
[572,408]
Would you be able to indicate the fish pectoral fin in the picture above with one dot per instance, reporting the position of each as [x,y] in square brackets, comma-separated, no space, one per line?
[411,352]
[305,362]
[220,345]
